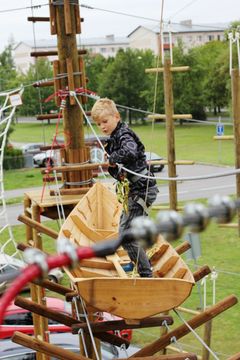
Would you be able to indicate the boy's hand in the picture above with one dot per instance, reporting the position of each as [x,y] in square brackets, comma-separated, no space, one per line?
[112,165]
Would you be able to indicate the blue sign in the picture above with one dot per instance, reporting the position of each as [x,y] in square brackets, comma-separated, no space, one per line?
[219,129]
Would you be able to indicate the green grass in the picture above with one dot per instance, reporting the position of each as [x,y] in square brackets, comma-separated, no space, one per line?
[22,178]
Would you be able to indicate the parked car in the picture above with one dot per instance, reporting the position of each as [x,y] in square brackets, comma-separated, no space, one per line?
[18,319]
[9,264]
[32,148]
[150,156]
[12,351]
[52,157]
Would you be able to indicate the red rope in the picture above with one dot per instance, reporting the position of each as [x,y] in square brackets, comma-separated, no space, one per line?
[31,272]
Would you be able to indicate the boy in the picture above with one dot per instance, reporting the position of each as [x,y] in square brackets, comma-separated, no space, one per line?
[124,147]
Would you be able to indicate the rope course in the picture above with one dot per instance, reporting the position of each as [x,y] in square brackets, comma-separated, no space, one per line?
[7,243]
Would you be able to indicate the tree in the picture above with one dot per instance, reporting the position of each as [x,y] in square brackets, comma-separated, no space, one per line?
[7,69]
[33,98]
[124,79]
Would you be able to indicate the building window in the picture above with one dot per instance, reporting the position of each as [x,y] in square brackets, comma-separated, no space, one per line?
[210,37]
[103,50]
[113,49]
[219,37]
[199,38]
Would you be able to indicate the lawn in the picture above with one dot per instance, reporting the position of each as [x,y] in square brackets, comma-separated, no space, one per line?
[219,248]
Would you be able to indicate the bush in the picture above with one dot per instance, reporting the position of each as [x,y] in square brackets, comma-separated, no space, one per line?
[13,159]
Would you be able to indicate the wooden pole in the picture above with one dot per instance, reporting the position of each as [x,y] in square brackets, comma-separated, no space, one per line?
[236,124]
[67,49]
[183,330]
[67,320]
[168,100]
[45,348]
[207,339]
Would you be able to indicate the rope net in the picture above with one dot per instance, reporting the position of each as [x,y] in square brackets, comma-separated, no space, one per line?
[9,255]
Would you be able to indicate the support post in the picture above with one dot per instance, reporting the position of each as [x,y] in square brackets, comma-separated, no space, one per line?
[168,100]
[236,123]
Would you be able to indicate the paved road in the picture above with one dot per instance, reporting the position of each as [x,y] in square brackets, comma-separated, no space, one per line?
[187,190]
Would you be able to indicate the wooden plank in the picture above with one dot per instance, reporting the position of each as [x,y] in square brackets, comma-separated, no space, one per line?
[53,24]
[45,348]
[166,266]
[172,69]
[38,226]
[83,227]
[180,273]
[71,85]
[134,298]
[116,262]
[77,18]
[180,249]
[67,17]
[83,79]
[57,82]
[158,254]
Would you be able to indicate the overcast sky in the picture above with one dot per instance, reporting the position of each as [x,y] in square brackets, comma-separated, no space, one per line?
[104,22]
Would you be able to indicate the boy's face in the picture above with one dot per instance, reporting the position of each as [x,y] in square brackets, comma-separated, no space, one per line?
[108,123]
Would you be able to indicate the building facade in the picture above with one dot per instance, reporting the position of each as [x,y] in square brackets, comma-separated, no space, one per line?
[189,34]
[140,38]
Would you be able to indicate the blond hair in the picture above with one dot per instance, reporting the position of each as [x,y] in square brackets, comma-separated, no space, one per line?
[103,107]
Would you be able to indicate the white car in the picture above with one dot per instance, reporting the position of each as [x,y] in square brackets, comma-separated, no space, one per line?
[46,158]
[32,148]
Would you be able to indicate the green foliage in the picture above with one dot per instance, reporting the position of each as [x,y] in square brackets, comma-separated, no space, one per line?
[124,80]
[8,72]
[33,98]
[13,159]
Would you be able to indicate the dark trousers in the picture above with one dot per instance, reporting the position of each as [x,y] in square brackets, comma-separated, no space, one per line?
[135,252]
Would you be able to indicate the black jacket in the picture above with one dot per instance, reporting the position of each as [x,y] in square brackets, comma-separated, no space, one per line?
[125,147]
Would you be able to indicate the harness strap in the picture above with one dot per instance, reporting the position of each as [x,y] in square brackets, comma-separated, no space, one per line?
[135,178]
[142,203]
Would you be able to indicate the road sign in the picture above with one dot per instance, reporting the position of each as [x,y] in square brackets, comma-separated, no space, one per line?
[219,129]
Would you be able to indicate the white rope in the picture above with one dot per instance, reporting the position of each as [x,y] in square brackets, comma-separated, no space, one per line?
[196,335]
[58,199]
[80,331]
[89,328]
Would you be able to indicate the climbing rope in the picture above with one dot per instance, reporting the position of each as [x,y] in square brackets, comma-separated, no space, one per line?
[195,334]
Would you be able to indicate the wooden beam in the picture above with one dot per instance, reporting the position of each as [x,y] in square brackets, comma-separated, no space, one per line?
[53,53]
[174,116]
[224,137]
[38,226]
[172,69]
[77,191]
[67,17]
[38,18]
[71,86]
[201,272]
[74,167]
[168,104]
[180,249]
[121,324]
[43,84]
[53,22]
[45,348]
[44,19]
[183,330]
[48,116]
[65,319]
[235,80]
